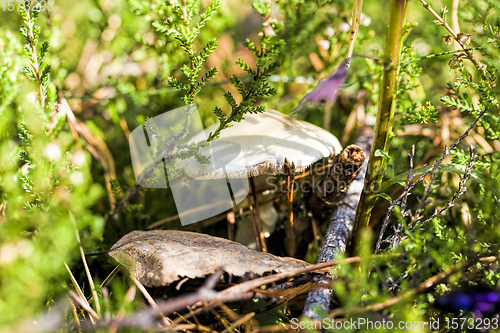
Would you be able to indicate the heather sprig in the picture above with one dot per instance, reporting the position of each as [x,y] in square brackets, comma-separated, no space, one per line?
[36,69]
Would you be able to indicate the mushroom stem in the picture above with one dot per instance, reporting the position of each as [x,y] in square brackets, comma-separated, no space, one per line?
[290,178]
[257,223]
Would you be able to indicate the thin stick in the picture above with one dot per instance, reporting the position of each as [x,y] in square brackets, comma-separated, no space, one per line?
[434,166]
[253,284]
[327,117]
[75,314]
[461,189]
[80,293]
[242,290]
[193,327]
[290,178]
[111,275]
[454,21]
[239,322]
[257,224]
[190,309]
[84,304]
[151,301]
[356,17]
[87,271]
[222,320]
[337,237]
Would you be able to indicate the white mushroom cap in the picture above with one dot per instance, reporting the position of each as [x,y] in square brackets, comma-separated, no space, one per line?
[265,140]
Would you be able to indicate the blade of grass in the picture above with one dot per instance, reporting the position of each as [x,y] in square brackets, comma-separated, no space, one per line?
[151,301]
[84,304]
[89,276]
[79,291]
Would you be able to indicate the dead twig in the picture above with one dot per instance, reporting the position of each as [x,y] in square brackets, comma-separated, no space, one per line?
[461,189]
[239,322]
[80,293]
[256,221]
[87,271]
[290,179]
[147,318]
[244,291]
[256,283]
[84,304]
[151,301]
[434,166]
[337,236]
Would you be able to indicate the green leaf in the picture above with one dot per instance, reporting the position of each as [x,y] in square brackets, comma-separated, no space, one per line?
[381,153]
[384,196]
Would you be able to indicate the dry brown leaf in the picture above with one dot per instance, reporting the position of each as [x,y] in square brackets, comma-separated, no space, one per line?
[160,257]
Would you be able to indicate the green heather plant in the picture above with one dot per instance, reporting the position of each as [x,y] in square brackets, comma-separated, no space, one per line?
[42,176]
[75,80]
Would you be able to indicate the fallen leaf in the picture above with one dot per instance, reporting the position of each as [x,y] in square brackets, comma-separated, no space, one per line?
[160,257]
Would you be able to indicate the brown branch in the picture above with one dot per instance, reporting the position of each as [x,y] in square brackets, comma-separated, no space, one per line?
[151,301]
[290,180]
[147,319]
[245,290]
[256,283]
[83,304]
[337,236]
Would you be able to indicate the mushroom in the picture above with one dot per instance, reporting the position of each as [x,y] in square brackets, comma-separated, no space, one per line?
[264,143]
[266,139]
